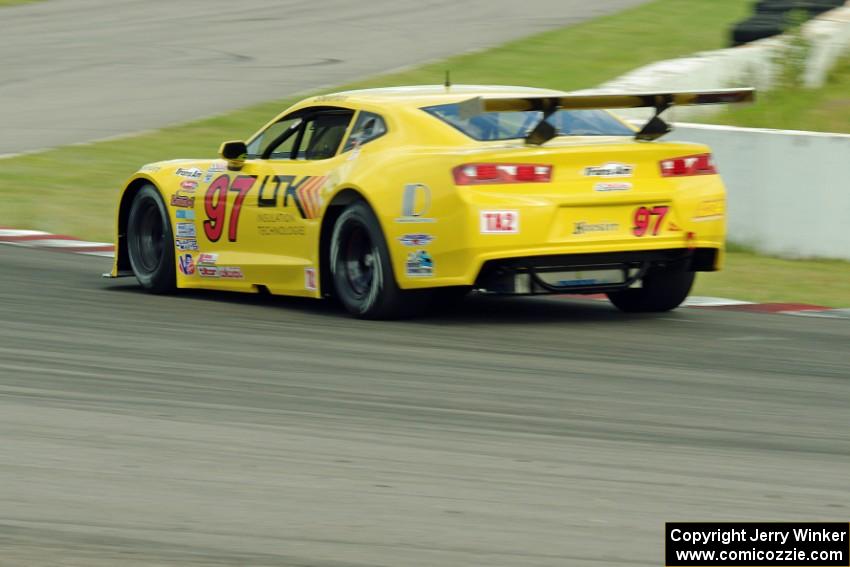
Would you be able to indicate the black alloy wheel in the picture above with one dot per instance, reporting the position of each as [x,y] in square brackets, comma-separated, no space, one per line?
[362,271]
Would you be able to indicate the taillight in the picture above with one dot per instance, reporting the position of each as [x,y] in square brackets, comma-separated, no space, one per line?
[481,173]
[702,164]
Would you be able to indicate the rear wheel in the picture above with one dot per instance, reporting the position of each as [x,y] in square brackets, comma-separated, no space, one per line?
[362,273]
[663,290]
[150,244]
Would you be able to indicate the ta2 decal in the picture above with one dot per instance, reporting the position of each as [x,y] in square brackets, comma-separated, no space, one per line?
[499,222]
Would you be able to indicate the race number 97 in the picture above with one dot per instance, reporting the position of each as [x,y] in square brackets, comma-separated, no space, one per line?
[648,220]
[215,205]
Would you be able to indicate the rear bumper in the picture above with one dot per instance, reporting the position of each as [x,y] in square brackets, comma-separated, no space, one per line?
[532,274]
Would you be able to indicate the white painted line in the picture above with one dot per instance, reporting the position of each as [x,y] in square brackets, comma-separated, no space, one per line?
[7,232]
[697,301]
[54,243]
[828,314]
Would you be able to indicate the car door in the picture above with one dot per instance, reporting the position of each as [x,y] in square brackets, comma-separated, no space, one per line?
[282,180]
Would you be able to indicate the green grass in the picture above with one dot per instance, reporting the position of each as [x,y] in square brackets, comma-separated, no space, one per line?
[752,277]
[16,2]
[826,109]
[72,190]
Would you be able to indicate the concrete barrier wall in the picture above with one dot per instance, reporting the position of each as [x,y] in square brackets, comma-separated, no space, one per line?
[789,192]
[754,64]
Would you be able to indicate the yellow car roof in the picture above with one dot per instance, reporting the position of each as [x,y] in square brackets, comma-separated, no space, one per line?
[423,95]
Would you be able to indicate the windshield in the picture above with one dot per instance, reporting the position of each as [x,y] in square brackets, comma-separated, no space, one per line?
[517,124]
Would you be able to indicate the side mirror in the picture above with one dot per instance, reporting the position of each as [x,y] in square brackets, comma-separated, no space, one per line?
[234,152]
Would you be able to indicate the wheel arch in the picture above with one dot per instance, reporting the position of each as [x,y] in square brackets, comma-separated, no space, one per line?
[340,201]
[122,257]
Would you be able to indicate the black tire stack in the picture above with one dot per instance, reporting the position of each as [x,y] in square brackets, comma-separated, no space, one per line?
[773,17]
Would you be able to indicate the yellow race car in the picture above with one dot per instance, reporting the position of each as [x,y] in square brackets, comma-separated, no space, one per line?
[390,198]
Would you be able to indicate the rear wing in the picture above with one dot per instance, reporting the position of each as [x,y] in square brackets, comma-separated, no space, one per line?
[543,131]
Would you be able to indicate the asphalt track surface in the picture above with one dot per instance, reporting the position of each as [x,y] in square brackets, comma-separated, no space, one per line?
[225,429]
[81,70]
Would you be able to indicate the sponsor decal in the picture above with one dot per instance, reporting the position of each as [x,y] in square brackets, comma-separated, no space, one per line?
[310,279]
[214,168]
[208,271]
[278,224]
[648,220]
[416,239]
[499,222]
[186,264]
[232,272]
[673,227]
[305,193]
[215,206]
[186,230]
[150,168]
[713,209]
[611,187]
[185,214]
[192,172]
[184,201]
[609,170]
[419,264]
[415,203]
[188,185]
[582,227]
[184,244]
[207,259]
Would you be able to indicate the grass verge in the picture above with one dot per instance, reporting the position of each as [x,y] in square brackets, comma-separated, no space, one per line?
[16,2]
[826,109]
[761,279]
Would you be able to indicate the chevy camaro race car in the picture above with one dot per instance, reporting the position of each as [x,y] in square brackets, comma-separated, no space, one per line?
[390,198]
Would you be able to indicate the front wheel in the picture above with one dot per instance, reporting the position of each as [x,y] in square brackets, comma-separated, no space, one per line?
[663,290]
[150,244]
[362,273]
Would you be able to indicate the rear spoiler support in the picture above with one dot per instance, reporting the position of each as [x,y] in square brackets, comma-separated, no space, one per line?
[656,127]
[542,132]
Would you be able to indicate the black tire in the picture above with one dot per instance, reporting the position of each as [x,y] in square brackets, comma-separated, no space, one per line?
[758,27]
[446,299]
[150,242]
[663,290]
[813,7]
[362,271]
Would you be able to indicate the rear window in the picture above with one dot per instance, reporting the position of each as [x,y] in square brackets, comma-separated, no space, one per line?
[517,124]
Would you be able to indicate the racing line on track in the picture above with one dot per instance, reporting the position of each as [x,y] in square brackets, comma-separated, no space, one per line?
[62,243]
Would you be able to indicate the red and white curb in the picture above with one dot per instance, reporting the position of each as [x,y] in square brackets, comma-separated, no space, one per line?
[61,243]
[58,242]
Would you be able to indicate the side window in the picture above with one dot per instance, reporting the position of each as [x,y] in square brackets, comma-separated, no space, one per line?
[278,139]
[322,135]
[368,127]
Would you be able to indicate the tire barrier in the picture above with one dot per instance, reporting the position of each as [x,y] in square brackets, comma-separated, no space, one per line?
[773,17]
